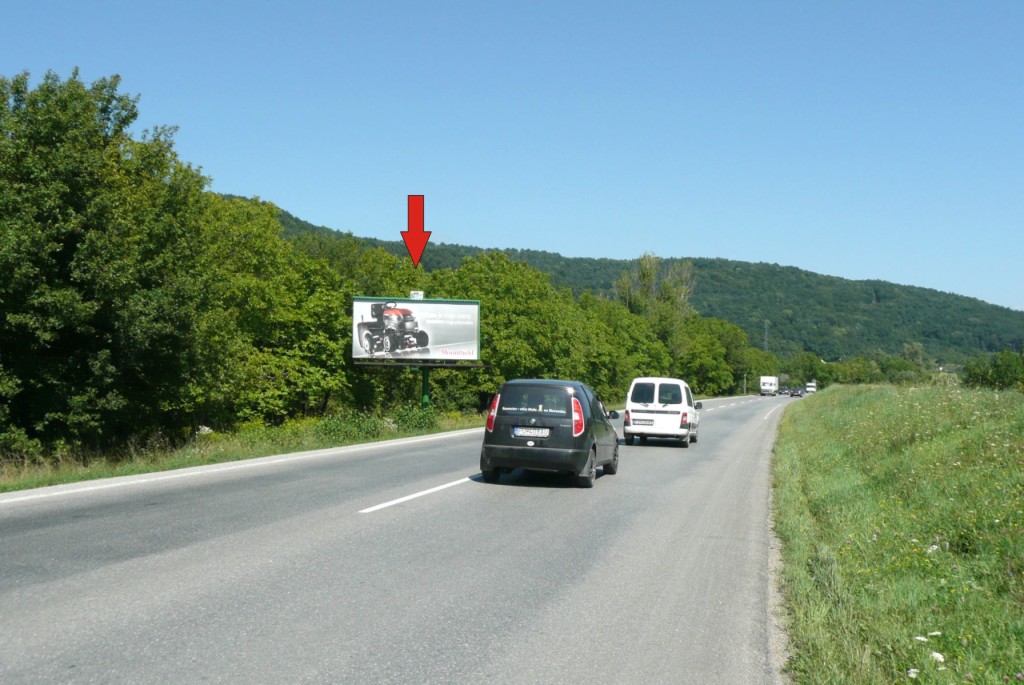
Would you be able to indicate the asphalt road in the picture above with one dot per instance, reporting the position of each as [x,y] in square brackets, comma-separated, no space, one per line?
[396,563]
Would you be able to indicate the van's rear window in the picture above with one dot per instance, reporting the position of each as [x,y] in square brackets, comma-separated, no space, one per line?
[528,400]
[668,393]
[643,392]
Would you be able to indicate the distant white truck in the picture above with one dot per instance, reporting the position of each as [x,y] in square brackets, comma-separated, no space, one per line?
[811,387]
[769,385]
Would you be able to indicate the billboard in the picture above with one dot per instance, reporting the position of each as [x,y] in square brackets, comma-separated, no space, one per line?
[417,330]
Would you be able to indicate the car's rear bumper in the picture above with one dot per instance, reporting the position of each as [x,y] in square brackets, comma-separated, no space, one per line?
[658,432]
[533,458]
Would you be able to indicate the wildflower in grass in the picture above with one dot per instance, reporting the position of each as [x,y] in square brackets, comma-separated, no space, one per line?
[921,638]
[938,657]
[912,672]
[935,633]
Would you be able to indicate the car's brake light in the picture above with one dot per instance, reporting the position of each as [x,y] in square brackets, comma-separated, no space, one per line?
[682,421]
[492,413]
[577,418]
[626,419]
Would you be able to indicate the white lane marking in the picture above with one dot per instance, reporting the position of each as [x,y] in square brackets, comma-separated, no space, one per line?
[769,413]
[144,479]
[134,480]
[393,502]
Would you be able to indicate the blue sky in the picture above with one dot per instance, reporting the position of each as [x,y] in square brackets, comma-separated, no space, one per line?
[867,140]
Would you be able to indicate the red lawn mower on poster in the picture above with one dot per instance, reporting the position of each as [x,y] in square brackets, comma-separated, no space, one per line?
[392,329]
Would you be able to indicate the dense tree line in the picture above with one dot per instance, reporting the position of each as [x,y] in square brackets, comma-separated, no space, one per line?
[134,301]
[135,304]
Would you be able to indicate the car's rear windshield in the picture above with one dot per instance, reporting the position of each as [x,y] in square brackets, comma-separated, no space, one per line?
[668,393]
[534,400]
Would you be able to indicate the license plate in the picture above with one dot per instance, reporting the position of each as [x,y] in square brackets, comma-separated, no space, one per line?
[528,432]
[643,422]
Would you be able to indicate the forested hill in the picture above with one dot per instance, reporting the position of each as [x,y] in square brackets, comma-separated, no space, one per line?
[783,308]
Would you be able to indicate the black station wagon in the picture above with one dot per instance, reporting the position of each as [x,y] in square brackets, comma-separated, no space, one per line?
[549,425]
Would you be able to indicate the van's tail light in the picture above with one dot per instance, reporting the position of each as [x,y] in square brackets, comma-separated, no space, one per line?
[492,413]
[683,423]
[577,418]
[626,420]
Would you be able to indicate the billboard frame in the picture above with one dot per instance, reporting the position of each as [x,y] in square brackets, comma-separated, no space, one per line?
[424,362]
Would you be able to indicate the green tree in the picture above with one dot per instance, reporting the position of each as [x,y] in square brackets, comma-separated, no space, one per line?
[660,293]
[859,369]
[137,301]
[703,364]
[96,245]
[280,318]
[1003,370]
[528,328]
[734,345]
[631,348]
[13,439]
[1007,370]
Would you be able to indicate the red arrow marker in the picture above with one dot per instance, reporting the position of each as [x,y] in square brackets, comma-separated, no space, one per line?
[415,238]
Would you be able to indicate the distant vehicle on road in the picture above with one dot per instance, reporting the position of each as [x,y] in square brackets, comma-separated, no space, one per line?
[811,387]
[549,425]
[660,408]
[769,385]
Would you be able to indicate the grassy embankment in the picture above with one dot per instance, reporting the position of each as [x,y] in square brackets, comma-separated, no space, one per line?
[253,440]
[901,513]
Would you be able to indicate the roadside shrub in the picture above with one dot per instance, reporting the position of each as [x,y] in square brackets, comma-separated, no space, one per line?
[17,448]
[348,427]
[412,418]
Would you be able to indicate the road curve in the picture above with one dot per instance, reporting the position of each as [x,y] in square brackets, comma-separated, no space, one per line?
[396,563]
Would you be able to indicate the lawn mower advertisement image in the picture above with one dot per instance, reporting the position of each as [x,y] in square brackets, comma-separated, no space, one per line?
[437,330]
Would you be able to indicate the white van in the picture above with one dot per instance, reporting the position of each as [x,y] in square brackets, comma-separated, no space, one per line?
[660,408]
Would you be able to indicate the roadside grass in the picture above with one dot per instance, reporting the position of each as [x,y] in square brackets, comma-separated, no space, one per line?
[901,516]
[249,441]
